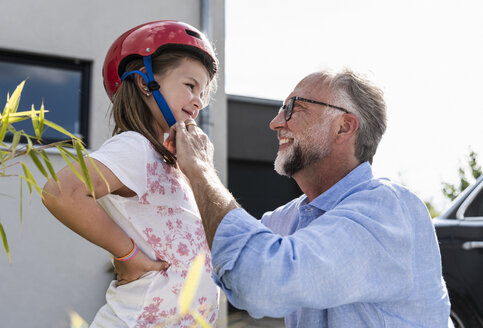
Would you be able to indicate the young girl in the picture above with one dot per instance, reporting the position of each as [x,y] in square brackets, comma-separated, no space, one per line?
[154,74]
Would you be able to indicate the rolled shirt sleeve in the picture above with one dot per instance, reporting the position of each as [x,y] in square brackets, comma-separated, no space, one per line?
[358,251]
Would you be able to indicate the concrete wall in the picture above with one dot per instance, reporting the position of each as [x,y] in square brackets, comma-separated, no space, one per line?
[54,271]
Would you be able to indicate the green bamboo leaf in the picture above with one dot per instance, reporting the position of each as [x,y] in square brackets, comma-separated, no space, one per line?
[190,286]
[38,163]
[60,129]
[5,242]
[41,118]
[32,183]
[49,166]
[26,113]
[5,122]
[200,319]
[14,119]
[29,143]
[35,122]
[6,106]
[83,166]
[66,159]
[26,172]
[29,178]
[14,100]
[68,153]
[15,141]
[96,168]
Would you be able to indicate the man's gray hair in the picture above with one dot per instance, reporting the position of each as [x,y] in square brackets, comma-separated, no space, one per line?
[365,100]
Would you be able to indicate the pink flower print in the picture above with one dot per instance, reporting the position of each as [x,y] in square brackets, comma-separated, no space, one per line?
[172,311]
[176,289]
[182,249]
[179,224]
[202,300]
[169,224]
[143,199]
[184,273]
[200,233]
[213,317]
[150,312]
[168,211]
[156,187]
[189,236]
[151,168]
[208,263]
[154,241]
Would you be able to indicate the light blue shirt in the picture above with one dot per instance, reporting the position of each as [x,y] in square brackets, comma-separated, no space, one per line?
[362,254]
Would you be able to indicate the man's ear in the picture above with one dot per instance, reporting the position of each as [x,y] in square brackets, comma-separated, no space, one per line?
[349,124]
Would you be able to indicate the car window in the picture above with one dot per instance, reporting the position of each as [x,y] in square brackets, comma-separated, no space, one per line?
[475,209]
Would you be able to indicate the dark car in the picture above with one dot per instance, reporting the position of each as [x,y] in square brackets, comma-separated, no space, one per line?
[460,234]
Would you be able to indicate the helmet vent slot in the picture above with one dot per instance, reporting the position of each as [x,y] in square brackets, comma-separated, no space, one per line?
[193,33]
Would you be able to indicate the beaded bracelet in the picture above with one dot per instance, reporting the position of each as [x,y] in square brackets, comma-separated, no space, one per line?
[130,254]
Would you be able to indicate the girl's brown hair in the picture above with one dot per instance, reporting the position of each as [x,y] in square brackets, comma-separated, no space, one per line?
[130,112]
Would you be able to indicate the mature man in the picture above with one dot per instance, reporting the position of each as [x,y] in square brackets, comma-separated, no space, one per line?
[353,250]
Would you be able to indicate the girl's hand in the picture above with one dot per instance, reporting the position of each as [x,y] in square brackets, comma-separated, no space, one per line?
[135,267]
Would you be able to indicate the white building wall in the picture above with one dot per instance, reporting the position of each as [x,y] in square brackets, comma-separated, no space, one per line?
[54,271]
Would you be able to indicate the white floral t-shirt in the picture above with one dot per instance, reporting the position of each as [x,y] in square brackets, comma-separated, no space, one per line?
[165,223]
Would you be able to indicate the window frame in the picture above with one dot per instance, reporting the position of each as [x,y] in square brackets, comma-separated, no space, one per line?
[461,213]
[63,63]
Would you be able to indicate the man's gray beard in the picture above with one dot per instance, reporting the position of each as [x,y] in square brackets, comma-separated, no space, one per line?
[296,159]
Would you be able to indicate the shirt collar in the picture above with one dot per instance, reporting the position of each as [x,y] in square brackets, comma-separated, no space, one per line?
[327,200]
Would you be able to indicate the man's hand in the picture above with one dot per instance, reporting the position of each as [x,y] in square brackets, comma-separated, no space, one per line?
[192,147]
[135,267]
[194,152]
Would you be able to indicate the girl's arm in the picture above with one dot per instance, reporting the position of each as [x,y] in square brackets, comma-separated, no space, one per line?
[74,206]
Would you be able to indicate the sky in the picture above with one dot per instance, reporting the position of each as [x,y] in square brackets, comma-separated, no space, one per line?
[426,55]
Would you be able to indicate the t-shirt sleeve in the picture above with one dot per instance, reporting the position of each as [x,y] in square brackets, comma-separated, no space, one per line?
[125,155]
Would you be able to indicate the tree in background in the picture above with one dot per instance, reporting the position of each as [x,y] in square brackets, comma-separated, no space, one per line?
[467,175]
[451,191]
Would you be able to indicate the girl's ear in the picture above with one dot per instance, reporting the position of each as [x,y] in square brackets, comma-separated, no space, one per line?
[140,83]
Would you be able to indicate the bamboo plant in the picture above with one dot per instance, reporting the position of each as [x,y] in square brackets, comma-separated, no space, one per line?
[23,145]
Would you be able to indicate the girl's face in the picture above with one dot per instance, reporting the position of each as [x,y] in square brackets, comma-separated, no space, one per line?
[183,88]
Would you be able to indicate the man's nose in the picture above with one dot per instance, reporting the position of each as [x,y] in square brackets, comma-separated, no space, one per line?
[278,121]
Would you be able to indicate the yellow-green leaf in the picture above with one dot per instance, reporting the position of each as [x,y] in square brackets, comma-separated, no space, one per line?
[76,321]
[26,172]
[66,159]
[96,168]
[15,141]
[41,118]
[35,122]
[15,119]
[5,123]
[49,167]
[200,319]
[38,164]
[191,284]
[29,143]
[29,178]
[60,129]
[5,242]
[84,170]
[14,100]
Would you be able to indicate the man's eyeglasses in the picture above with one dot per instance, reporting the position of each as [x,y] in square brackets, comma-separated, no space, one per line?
[288,107]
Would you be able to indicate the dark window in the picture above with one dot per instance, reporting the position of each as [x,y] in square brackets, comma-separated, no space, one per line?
[476,207]
[62,84]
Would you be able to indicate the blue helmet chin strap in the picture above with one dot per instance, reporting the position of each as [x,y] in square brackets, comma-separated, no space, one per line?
[153,86]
